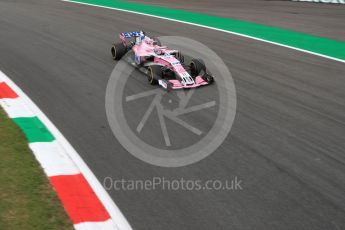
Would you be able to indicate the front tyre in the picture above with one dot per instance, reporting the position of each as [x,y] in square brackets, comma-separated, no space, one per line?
[154,73]
[197,67]
[179,56]
[208,78]
[118,50]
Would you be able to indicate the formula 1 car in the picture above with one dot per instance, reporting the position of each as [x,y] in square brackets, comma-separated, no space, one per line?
[162,66]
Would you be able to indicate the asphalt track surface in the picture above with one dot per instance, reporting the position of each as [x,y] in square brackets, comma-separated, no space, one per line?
[287,142]
[324,20]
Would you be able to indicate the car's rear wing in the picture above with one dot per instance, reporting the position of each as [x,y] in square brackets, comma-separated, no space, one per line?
[138,35]
[132,34]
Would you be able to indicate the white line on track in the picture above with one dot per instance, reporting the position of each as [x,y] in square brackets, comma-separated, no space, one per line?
[211,28]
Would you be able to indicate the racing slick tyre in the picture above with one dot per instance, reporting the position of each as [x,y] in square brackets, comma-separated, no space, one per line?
[118,50]
[169,86]
[208,78]
[154,73]
[197,67]
[179,56]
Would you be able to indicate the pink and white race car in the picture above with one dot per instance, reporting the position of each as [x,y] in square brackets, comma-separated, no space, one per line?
[162,66]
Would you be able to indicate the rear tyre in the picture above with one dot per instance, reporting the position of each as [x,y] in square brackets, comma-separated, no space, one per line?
[169,86]
[118,50]
[154,73]
[197,67]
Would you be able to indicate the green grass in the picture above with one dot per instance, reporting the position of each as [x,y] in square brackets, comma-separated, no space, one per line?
[325,46]
[27,200]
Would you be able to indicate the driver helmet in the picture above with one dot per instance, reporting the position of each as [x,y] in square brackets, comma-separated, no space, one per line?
[158,51]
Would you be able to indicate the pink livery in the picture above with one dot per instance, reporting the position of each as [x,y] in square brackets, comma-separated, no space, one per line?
[163,66]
